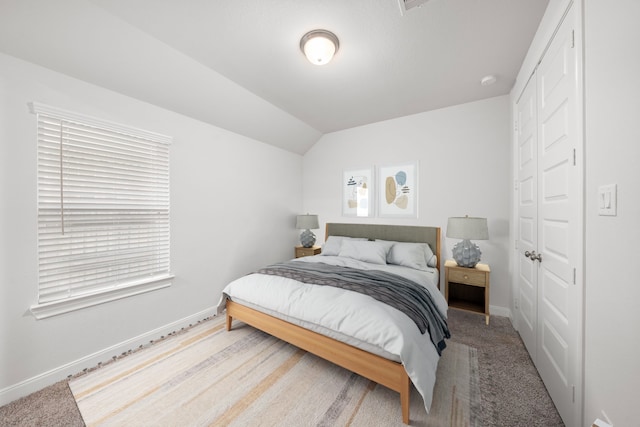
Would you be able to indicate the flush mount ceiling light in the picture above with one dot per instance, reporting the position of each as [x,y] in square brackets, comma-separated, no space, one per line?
[319,46]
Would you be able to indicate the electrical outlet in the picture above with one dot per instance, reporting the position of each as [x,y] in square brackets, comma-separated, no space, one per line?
[600,423]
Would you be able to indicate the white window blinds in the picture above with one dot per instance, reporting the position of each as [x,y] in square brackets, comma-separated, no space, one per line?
[103,206]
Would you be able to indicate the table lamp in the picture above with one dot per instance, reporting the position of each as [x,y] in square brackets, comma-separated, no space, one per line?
[306,223]
[466,253]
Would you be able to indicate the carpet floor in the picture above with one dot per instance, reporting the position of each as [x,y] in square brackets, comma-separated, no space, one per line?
[512,393]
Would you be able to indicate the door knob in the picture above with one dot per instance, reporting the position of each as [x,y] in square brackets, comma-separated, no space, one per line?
[533,256]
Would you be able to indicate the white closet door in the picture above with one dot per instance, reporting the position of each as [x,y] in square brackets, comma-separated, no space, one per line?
[550,220]
[559,212]
[527,219]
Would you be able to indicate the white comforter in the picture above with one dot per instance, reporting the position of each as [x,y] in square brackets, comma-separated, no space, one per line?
[350,317]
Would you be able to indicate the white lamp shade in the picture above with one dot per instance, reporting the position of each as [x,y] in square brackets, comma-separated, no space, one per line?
[319,46]
[306,222]
[467,228]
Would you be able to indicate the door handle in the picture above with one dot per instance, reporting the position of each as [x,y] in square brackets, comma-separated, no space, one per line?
[533,256]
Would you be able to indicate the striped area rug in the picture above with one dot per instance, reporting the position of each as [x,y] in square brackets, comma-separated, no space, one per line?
[206,376]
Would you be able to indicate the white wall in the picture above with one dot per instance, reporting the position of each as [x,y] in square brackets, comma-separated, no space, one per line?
[463,156]
[612,340]
[233,203]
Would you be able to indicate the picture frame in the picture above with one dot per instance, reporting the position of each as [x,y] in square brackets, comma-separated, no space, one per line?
[357,192]
[398,190]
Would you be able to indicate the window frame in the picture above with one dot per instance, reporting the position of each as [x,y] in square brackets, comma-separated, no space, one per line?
[79,295]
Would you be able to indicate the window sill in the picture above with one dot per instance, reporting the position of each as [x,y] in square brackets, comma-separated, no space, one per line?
[54,308]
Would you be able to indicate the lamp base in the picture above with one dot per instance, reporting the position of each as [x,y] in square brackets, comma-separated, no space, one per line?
[466,254]
[307,238]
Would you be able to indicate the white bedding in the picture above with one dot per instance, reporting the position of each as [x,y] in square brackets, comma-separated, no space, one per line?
[350,317]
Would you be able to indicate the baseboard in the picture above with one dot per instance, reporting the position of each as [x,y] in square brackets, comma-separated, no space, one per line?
[500,311]
[28,386]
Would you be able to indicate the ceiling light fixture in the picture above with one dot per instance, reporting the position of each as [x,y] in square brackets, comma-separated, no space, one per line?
[319,46]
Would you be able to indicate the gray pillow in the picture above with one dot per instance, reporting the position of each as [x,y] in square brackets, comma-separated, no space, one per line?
[418,256]
[334,243]
[366,251]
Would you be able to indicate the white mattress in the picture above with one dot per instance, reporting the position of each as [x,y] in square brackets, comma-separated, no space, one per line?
[350,317]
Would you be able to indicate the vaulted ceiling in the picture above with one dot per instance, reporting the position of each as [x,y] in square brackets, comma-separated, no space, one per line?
[238,65]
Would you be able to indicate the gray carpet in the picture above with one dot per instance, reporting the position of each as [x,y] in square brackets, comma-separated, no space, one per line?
[53,406]
[512,392]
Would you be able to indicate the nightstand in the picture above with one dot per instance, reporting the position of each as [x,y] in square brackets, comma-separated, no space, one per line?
[302,251]
[467,288]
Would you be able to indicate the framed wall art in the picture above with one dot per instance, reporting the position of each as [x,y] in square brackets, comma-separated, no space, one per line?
[357,192]
[398,190]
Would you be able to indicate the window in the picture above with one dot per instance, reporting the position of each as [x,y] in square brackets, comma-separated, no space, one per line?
[103,211]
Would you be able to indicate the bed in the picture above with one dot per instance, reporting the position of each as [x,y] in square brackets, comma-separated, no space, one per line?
[372,338]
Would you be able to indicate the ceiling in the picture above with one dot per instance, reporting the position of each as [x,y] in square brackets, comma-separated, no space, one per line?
[238,65]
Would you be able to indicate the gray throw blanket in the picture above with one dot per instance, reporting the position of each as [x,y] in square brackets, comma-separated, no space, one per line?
[403,294]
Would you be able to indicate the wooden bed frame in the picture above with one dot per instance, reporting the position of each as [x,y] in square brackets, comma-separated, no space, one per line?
[376,368]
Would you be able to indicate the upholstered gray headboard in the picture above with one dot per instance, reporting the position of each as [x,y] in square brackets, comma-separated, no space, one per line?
[398,233]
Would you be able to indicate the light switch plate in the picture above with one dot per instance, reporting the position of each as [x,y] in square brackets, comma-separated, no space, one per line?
[608,200]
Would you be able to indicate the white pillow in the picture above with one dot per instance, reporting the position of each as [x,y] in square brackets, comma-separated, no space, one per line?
[413,255]
[387,244]
[333,244]
[366,251]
